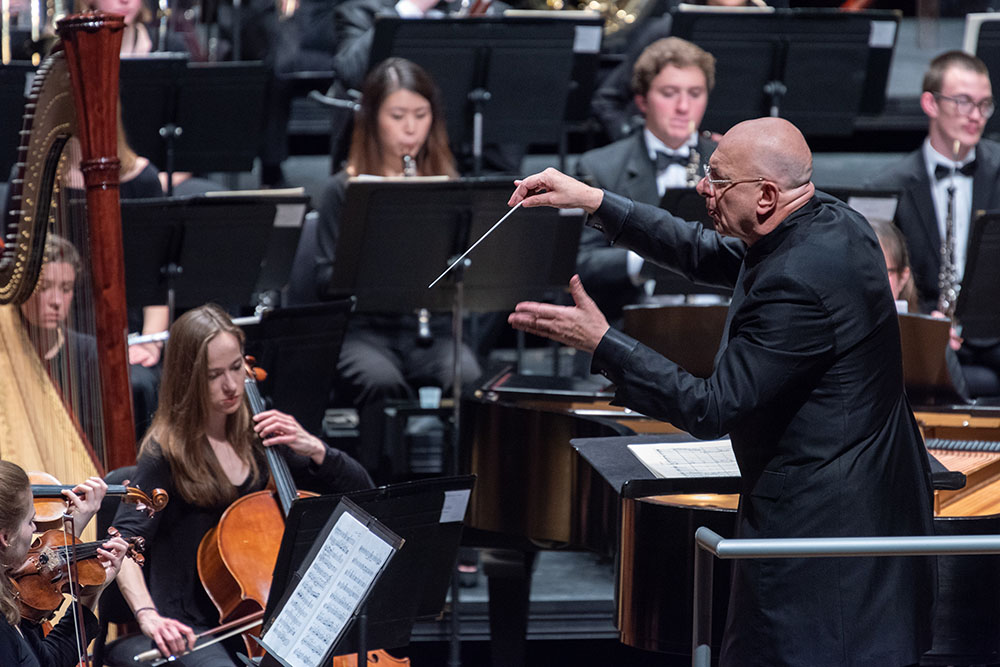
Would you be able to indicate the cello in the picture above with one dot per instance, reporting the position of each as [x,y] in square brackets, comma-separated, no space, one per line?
[237,557]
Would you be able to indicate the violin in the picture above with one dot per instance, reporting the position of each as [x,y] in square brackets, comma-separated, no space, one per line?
[44,577]
[50,503]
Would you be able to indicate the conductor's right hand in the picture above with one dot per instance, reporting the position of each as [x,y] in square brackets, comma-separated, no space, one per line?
[170,635]
[556,189]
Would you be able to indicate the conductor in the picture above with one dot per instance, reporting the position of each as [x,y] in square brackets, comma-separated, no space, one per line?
[807,383]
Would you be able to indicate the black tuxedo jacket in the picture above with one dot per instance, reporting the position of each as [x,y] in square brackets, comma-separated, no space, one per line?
[622,167]
[809,387]
[916,215]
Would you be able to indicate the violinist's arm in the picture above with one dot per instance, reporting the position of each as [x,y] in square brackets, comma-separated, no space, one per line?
[170,635]
[58,647]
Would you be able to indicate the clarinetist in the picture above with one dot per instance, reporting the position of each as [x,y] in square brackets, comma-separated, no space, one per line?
[943,184]
[398,131]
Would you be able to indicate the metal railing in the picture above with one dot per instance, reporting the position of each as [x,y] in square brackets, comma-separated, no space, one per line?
[710,545]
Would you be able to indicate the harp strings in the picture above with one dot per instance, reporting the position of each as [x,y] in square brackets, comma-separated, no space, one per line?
[60,316]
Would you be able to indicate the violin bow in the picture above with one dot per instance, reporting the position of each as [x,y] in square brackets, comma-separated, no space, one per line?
[76,605]
[230,629]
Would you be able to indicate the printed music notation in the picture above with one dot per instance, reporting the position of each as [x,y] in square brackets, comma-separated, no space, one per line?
[328,594]
[672,460]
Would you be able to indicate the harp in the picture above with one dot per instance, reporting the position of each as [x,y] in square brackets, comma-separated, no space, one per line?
[71,417]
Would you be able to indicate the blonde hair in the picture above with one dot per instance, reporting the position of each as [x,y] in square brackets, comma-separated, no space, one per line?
[671,51]
[179,423]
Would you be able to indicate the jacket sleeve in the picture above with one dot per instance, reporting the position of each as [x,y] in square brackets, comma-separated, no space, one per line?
[780,343]
[58,648]
[699,254]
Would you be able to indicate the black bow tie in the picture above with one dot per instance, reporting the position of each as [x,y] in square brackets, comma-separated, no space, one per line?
[664,160]
[942,171]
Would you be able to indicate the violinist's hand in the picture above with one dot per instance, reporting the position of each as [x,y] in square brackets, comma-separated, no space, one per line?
[581,326]
[277,428]
[170,635]
[110,555]
[84,500]
[556,189]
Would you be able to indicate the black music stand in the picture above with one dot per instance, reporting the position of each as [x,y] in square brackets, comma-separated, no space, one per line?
[427,514]
[149,87]
[299,347]
[488,67]
[283,591]
[197,117]
[782,64]
[187,251]
[982,38]
[978,309]
[14,78]
[403,233]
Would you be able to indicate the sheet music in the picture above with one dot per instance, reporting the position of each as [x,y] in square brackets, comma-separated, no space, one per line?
[672,460]
[455,502]
[329,593]
[874,208]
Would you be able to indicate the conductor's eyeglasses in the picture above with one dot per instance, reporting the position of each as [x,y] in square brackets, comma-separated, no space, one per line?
[713,182]
[963,104]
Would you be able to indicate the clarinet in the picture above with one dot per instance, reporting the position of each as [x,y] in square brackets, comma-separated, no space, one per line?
[948,275]
[424,336]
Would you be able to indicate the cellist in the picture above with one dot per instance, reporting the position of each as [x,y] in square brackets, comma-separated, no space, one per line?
[205,448]
[21,643]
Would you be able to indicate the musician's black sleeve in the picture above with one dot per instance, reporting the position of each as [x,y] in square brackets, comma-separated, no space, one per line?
[59,647]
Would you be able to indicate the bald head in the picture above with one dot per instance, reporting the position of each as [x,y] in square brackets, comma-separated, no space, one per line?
[772,148]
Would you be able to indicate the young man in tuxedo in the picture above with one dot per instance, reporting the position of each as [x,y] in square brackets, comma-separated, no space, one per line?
[958,100]
[672,79]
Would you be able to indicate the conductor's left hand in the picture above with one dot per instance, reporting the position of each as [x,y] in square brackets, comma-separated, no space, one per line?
[278,428]
[581,326]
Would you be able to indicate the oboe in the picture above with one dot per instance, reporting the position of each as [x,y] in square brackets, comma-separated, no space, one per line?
[409,166]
